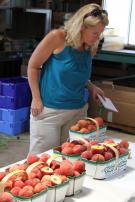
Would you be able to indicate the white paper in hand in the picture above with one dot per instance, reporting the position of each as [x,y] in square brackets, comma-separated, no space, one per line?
[107,103]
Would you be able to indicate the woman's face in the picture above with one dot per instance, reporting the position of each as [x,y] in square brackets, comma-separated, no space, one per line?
[89,35]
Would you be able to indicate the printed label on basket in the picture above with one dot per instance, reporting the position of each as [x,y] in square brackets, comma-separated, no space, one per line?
[92,135]
[112,169]
[107,169]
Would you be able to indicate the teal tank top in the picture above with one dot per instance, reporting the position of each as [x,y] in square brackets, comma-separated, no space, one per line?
[63,79]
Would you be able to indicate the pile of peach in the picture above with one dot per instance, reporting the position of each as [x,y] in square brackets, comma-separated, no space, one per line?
[37,174]
[86,125]
[103,152]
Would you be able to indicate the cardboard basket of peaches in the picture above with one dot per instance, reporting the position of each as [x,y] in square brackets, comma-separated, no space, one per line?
[40,178]
[88,128]
[72,150]
[105,159]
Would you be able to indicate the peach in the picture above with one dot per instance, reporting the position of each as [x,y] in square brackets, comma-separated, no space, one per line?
[75,127]
[8,185]
[91,127]
[26,191]
[66,169]
[47,171]
[82,123]
[39,187]
[32,175]
[15,191]
[99,121]
[32,158]
[57,171]
[38,173]
[63,178]
[14,167]
[76,173]
[6,197]
[19,183]
[124,143]
[32,182]
[87,155]
[109,141]
[44,157]
[22,167]
[46,182]
[2,174]
[55,180]
[122,150]
[79,166]
[92,142]
[65,144]
[108,155]
[97,149]
[83,130]
[55,164]
[67,150]
[98,158]
[77,149]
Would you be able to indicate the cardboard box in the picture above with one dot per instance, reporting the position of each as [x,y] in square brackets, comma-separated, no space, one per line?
[124,100]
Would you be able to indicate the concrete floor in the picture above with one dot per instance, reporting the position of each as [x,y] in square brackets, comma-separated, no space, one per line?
[17,149]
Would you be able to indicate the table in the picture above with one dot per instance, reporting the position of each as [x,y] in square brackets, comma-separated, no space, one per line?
[120,188]
[122,56]
[125,57]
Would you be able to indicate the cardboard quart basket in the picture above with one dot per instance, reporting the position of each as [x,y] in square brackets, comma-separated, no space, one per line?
[75,184]
[98,134]
[71,157]
[42,196]
[102,170]
[57,193]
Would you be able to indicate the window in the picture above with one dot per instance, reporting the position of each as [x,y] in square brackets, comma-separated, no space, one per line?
[122,18]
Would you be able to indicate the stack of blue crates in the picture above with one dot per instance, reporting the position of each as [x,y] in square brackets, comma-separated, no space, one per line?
[15,100]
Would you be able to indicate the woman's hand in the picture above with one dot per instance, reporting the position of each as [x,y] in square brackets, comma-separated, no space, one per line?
[36,107]
[95,91]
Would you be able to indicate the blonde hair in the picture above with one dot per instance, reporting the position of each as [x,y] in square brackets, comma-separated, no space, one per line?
[74,24]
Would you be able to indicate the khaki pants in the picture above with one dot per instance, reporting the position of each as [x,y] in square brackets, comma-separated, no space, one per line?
[50,128]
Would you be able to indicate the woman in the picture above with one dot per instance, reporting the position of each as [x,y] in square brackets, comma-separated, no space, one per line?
[64,57]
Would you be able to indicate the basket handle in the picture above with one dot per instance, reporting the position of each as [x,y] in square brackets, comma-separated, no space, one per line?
[97,126]
[116,154]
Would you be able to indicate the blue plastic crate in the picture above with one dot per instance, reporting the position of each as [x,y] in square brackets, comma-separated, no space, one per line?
[14,86]
[11,115]
[15,128]
[15,102]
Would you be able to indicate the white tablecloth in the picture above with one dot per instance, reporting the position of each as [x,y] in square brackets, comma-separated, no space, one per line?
[120,188]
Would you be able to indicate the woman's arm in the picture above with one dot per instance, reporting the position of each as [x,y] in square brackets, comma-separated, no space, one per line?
[95,91]
[46,47]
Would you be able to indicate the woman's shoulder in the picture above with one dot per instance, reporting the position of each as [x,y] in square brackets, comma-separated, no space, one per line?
[59,34]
